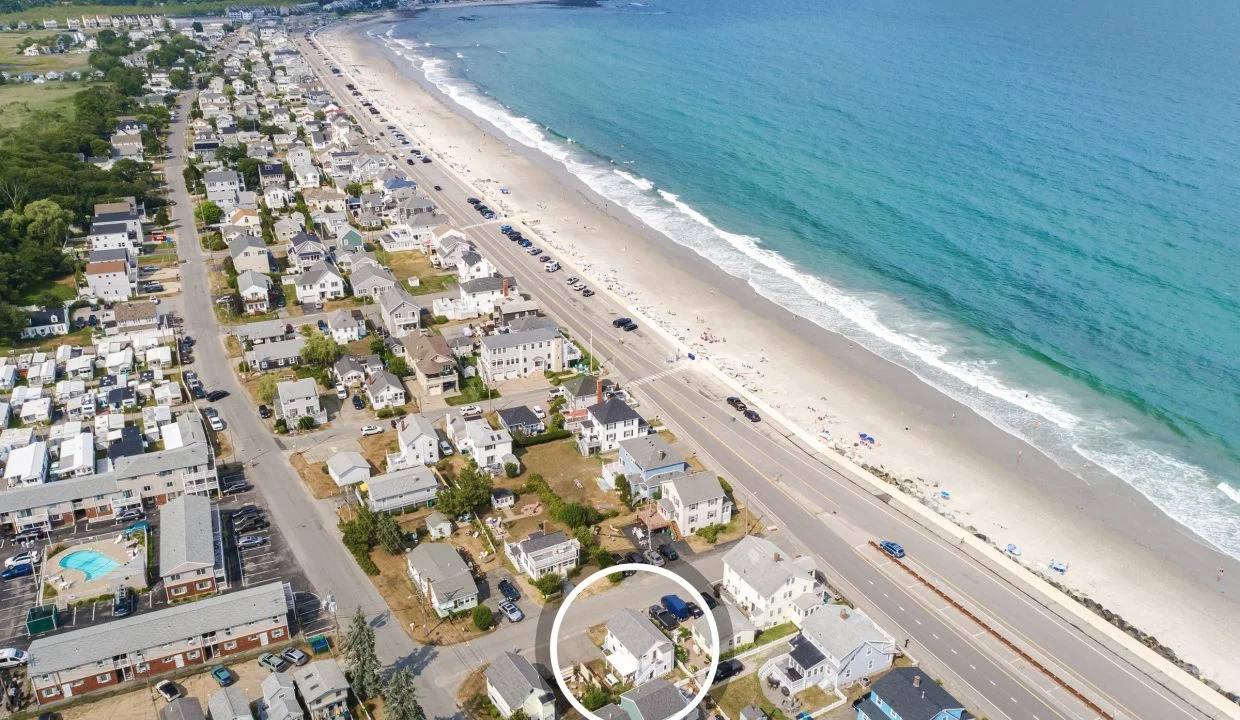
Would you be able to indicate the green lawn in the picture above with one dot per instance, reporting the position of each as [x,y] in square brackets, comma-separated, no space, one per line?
[12,60]
[63,289]
[20,103]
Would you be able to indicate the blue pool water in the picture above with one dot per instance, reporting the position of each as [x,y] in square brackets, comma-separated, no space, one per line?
[94,564]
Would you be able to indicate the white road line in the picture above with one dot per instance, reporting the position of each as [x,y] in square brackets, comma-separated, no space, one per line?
[953,651]
[901,608]
[936,637]
[971,665]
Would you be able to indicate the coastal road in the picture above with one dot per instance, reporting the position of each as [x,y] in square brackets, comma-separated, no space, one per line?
[803,492]
[309,527]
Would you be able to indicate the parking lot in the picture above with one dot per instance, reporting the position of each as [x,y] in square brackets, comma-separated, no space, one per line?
[268,562]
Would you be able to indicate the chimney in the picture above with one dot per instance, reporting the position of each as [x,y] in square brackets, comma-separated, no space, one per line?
[843,613]
[916,681]
[598,392]
[775,557]
[505,287]
[662,454]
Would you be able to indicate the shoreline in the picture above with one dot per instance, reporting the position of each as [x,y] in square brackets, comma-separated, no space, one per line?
[1000,485]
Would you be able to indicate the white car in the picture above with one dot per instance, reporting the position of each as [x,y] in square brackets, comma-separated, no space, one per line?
[371,429]
[538,413]
[471,410]
[22,558]
[445,448]
[579,286]
[217,424]
[12,657]
[555,392]
[341,391]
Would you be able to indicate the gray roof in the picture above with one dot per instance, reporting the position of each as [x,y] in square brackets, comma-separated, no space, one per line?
[389,301]
[651,451]
[542,540]
[264,329]
[755,560]
[346,460]
[612,712]
[613,410]
[319,678]
[523,337]
[343,318]
[186,535]
[487,284]
[413,426]
[315,273]
[108,228]
[229,703]
[249,279]
[348,364]
[278,350]
[840,634]
[442,566]
[371,274]
[528,322]
[241,243]
[153,629]
[518,417]
[383,380]
[109,254]
[515,679]
[221,176]
[634,631]
[193,452]
[913,702]
[183,708]
[401,482]
[471,257]
[696,488]
[753,712]
[52,493]
[437,518]
[654,700]
[302,389]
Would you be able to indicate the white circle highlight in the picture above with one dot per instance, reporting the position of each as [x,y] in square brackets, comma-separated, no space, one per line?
[693,593]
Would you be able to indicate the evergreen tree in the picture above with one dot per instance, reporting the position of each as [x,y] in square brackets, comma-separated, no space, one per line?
[400,698]
[359,652]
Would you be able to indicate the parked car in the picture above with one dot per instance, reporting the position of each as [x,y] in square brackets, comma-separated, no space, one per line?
[618,559]
[371,430]
[216,395]
[538,412]
[555,392]
[635,558]
[662,617]
[438,188]
[668,552]
[630,326]
[250,525]
[210,412]
[358,402]
[246,542]
[12,657]
[711,602]
[295,656]
[223,675]
[892,548]
[122,603]
[235,488]
[341,391]
[728,669]
[216,424]
[264,412]
[654,558]
[509,590]
[129,515]
[17,571]
[445,448]
[168,690]
[274,663]
[676,606]
[621,322]
[471,411]
[511,611]
[695,610]
[245,511]
[28,557]
[571,280]
[752,415]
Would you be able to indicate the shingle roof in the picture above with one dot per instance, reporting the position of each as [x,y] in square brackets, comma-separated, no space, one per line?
[697,488]
[369,273]
[634,632]
[612,411]
[153,629]
[542,540]
[839,634]
[580,385]
[343,462]
[518,338]
[514,678]
[442,566]
[186,535]
[411,427]
[229,703]
[348,364]
[130,311]
[244,242]
[250,279]
[754,559]
[302,389]
[320,678]
[651,451]
[486,284]
[383,380]
[194,451]
[183,708]
[315,273]
[517,417]
[43,494]
[104,228]
[400,482]
[913,702]
[654,700]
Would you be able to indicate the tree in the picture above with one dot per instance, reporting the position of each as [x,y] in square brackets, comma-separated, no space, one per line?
[196,26]
[512,470]
[305,422]
[483,617]
[549,584]
[576,515]
[353,189]
[625,490]
[398,367]
[388,534]
[161,217]
[321,351]
[377,347]
[468,493]
[179,79]
[208,213]
[359,652]
[518,714]
[594,697]
[400,698]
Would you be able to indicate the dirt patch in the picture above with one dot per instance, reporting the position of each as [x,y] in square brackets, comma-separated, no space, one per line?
[417,618]
[743,523]
[232,348]
[315,477]
[376,447]
[573,478]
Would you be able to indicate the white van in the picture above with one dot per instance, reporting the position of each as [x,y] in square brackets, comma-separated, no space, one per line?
[551,266]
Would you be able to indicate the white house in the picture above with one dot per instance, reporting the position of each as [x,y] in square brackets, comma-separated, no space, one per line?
[27,465]
[833,650]
[385,390]
[541,553]
[369,279]
[417,442]
[223,187]
[401,489]
[438,571]
[347,326]
[525,352]
[770,587]
[471,266]
[607,424]
[348,468]
[109,280]
[695,501]
[490,448]
[735,630]
[401,314]
[46,323]
[513,684]
[249,253]
[304,251]
[320,282]
[635,650]
[255,292]
[297,399]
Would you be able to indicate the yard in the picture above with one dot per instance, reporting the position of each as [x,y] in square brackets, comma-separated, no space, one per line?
[12,59]
[315,477]
[743,523]
[63,290]
[405,265]
[572,476]
[419,621]
[734,696]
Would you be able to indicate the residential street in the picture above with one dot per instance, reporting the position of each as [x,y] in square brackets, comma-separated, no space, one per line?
[803,492]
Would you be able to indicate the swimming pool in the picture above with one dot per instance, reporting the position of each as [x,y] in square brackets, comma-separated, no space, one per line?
[91,562]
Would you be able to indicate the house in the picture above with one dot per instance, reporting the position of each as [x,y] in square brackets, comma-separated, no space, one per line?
[832,651]
[401,314]
[229,703]
[770,587]
[269,356]
[247,219]
[134,316]
[182,708]
[541,553]
[432,363]
[521,353]
[512,308]
[646,462]
[36,410]
[370,279]
[249,253]
[905,694]
[191,548]
[488,447]
[399,490]
[224,187]
[349,371]
[438,571]
[350,241]
[320,282]
[438,526]
[255,291]
[502,498]
[692,502]
[27,465]
[112,235]
[347,326]
[77,455]
[475,298]
[279,700]
[606,425]
[305,251]
[635,650]
[385,390]
[735,630]
[348,468]
[297,399]
[46,323]
[127,146]
[417,442]
[471,266]
[142,646]
[520,419]
[271,175]
[109,281]
[656,700]
[324,689]
[580,392]
[513,684]
[264,332]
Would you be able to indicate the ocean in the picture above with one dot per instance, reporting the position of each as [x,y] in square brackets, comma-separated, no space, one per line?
[1034,206]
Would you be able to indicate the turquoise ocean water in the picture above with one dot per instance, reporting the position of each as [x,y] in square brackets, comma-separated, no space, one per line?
[1034,205]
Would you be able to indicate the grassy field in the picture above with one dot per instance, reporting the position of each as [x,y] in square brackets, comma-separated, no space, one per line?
[60,13]
[20,103]
[13,61]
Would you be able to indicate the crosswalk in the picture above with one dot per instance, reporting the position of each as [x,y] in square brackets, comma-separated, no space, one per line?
[654,376]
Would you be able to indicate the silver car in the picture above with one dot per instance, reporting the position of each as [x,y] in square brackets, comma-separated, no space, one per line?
[654,558]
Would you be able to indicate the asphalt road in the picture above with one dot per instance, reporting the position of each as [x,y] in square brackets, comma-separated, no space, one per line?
[800,491]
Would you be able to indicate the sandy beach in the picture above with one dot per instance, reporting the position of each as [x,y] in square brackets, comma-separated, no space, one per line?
[1120,549]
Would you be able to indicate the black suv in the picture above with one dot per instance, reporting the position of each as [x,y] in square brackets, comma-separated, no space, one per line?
[662,617]
[509,590]
[668,552]
[621,322]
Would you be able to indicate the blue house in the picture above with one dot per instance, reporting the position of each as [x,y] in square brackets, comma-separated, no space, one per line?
[647,462]
[905,694]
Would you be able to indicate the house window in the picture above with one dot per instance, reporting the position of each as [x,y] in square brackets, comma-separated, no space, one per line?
[205,585]
[278,632]
[50,692]
[177,591]
[230,645]
[193,654]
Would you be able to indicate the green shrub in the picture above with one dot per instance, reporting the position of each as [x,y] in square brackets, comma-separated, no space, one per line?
[512,470]
[549,584]
[483,617]
[710,533]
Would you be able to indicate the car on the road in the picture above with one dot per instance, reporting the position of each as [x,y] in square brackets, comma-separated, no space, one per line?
[122,603]
[509,590]
[295,656]
[12,657]
[621,322]
[17,571]
[752,415]
[28,557]
[728,669]
[341,391]
[579,285]
[534,251]
[371,430]
[408,161]
[264,412]
[129,515]
[737,404]
[539,412]
[246,542]
[590,293]
[471,411]
[571,281]
[216,423]
[215,395]
[425,159]
[892,548]
[668,552]
[662,617]
[654,558]
[629,326]
[445,448]
[272,662]
[223,675]
[511,611]
[358,402]
[168,690]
